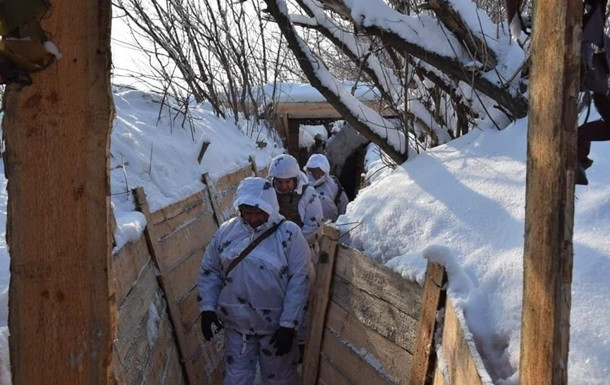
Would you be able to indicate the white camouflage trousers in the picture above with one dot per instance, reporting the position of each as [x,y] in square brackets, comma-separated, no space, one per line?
[241,354]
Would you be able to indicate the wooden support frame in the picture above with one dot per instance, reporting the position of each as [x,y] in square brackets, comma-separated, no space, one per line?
[324,274]
[434,298]
[549,207]
[57,150]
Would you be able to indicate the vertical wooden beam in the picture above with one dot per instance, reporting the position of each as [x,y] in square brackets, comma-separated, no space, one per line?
[324,275]
[293,137]
[434,298]
[211,190]
[57,137]
[549,208]
[252,160]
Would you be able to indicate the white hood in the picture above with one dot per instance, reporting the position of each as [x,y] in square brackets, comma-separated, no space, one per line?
[317,161]
[257,192]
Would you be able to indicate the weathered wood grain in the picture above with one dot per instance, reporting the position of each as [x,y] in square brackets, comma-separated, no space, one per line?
[394,360]
[324,274]
[381,316]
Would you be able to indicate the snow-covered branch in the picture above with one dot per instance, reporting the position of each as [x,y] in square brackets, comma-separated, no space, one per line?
[364,119]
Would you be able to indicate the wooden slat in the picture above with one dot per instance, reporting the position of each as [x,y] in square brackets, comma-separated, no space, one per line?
[395,360]
[383,317]
[433,299]
[127,266]
[232,180]
[175,209]
[378,280]
[322,110]
[183,243]
[134,309]
[182,280]
[168,226]
[222,192]
[173,374]
[324,273]
[150,369]
[190,371]
[353,367]
[458,353]
[329,375]
[189,310]
[142,344]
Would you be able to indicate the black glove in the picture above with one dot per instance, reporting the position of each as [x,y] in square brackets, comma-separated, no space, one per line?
[207,319]
[282,340]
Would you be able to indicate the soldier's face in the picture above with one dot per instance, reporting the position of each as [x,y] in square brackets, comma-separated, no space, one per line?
[255,217]
[284,186]
[317,172]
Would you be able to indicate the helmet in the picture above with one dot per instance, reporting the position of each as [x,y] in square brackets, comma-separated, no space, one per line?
[284,167]
[318,161]
[257,192]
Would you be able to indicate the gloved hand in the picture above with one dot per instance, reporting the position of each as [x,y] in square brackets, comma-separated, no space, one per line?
[207,319]
[282,340]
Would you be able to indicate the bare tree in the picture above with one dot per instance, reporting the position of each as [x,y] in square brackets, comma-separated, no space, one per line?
[210,50]
[438,90]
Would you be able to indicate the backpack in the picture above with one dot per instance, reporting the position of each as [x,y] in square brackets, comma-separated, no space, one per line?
[339,190]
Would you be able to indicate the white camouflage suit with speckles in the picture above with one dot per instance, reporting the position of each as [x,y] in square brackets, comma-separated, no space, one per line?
[266,290]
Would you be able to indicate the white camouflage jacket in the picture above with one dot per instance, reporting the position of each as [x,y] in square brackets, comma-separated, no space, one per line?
[269,287]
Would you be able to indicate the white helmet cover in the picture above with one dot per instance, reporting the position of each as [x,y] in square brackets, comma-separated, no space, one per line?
[284,167]
[257,192]
[318,161]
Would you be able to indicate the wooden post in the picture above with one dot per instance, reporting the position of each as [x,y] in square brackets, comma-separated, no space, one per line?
[549,208]
[324,275]
[293,137]
[252,160]
[434,298]
[211,190]
[57,138]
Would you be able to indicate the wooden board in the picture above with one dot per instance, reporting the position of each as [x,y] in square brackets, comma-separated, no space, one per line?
[179,246]
[134,309]
[232,180]
[191,203]
[424,359]
[351,364]
[324,274]
[395,360]
[378,280]
[458,352]
[147,364]
[187,215]
[189,310]
[329,375]
[127,266]
[182,279]
[322,110]
[222,192]
[381,316]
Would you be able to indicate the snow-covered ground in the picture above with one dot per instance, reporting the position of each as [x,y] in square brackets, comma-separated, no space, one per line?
[468,196]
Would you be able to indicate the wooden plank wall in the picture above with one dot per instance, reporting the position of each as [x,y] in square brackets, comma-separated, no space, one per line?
[371,323]
[159,338]
[144,351]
